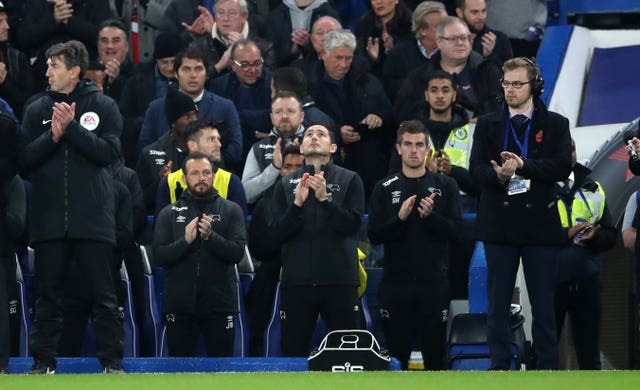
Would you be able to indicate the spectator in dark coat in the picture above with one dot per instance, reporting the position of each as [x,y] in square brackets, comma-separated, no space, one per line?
[492,44]
[230,23]
[150,81]
[478,79]
[411,53]
[248,86]
[356,100]
[16,79]
[49,22]
[386,24]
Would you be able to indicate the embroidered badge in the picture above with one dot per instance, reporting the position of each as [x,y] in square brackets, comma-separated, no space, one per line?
[539,135]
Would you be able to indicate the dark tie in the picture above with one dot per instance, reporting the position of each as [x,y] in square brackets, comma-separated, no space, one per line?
[519,121]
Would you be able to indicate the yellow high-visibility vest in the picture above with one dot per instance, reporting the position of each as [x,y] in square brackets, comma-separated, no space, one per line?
[586,206]
[220,183]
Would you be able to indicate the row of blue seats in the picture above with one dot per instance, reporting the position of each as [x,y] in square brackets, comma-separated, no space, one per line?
[152,325]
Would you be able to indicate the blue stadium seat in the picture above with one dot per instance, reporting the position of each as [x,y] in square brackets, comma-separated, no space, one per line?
[25,317]
[241,348]
[131,334]
[152,324]
[272,332]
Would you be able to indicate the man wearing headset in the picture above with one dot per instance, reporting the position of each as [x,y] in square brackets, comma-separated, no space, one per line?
[518,153]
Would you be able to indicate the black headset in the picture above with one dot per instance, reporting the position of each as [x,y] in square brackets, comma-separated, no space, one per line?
[537,83]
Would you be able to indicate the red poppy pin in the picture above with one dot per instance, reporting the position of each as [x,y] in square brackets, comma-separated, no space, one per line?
[539,136]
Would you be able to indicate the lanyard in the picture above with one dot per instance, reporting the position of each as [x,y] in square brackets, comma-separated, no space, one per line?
[569,208]
[524,146]
[584,199]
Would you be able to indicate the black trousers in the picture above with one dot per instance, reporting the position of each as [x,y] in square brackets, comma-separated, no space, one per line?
[582,301]
[460,253]
[77,305]
[338,306]
[415,308]
[184,330]
[539,264]
[52,260]
[7,285]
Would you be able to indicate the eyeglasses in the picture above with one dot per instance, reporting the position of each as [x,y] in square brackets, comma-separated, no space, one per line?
[515,84]
[459,38]
[247,65]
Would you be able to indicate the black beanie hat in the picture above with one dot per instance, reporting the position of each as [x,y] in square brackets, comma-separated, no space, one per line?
[176,104]
[167,45]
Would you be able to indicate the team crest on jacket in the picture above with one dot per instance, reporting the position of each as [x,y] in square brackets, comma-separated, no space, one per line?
[215,217]
[90,120]
[333,187]
[434,190]
[395,197]
[460,133]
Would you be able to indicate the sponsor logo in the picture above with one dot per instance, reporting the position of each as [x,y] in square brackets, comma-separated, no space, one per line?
[386,183]
[154,152]
[181,219]
[215,217]
[395,197]
[268,156]
[384,313]
[160,161]
[45,121]
[176,208]
[170,318]
[434,190]
[294,181]
[90,120]
[347,367]
[445,316]
[263,146]
[283,315]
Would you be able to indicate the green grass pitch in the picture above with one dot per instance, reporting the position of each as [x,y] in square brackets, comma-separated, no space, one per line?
[447,380]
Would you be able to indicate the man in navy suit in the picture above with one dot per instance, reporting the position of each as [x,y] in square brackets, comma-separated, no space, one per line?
[518,153]
[191,73]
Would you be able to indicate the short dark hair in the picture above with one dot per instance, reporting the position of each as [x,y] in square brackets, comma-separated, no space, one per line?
[193,130]
[73,53]
[332,136]
[412,127]
[440,74]
[195,156]
[112,22]
[290,78]
[191,52]
[287,95]
[290,149]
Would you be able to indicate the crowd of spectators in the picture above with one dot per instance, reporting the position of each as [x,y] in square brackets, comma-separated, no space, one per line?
[208,105]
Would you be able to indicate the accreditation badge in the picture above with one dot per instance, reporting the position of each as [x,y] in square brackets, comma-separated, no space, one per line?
[518,185]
